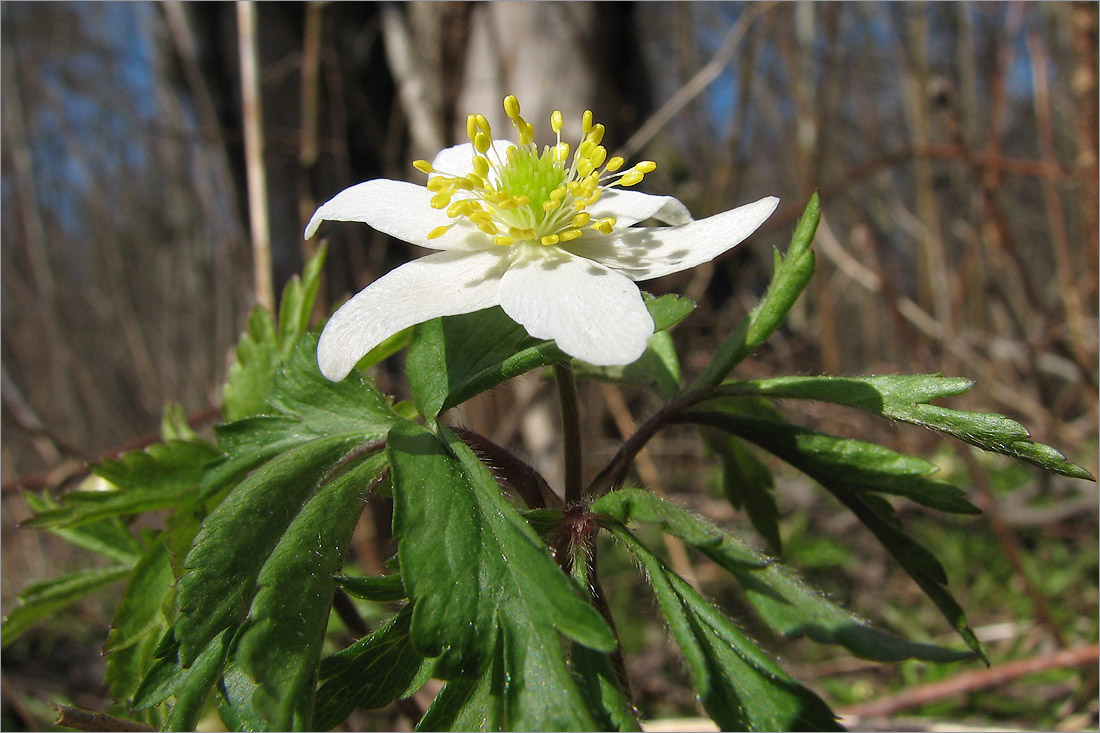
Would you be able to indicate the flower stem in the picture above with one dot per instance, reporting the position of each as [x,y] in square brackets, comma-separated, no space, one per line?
[571,431]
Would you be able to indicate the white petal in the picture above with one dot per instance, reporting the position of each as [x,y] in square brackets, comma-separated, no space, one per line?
[402,210]
[644,253]
[441,284]
[630,207]
[458,160]
[593,313]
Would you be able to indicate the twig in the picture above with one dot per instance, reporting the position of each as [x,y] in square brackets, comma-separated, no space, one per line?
[647,470]
[571,431]
[696,85]
[71,717]
[69,470]
[252,116]
[976,680]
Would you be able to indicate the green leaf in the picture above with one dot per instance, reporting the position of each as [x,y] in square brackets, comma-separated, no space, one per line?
[906,398]
[140,613]
[921,565]
[747,483]
[156,478]
[471,704]
[601,690]
[251,377]
[174,425]
[657,370]
[477,573]
[782,599]
[739,686]
[455,358]
[324,407]
[380,589]
[851,472]
[107,537]
[371,673]
[296,305]
[852,464]
[197,682]
[668,309]
[280,646]
[125,670]
[40,600]
[792,273]
[237,538]
[262,348]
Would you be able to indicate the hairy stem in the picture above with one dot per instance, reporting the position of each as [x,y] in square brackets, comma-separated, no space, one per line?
[571,431]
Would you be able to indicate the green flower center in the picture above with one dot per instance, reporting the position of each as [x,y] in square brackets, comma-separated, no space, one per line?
[530,196]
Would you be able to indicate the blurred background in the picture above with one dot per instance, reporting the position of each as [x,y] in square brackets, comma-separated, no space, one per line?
[147,206]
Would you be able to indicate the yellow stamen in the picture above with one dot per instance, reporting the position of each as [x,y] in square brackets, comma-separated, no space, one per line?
[523,194]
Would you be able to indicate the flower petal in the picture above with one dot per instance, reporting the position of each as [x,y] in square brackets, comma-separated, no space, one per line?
[458,160]
[593,313]
[630,207]
[441,284]
[402,210]
[644,253]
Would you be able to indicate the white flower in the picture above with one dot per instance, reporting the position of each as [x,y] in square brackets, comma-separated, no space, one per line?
[547,238]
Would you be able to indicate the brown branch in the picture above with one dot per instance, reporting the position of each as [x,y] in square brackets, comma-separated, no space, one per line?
[67,472]
[977,680]
[71,717]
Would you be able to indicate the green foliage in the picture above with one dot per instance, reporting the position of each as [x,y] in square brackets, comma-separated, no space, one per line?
[40,600]
[230,605]
[449,517]
[739,686]
[792,273]
[906,398]
[783,601]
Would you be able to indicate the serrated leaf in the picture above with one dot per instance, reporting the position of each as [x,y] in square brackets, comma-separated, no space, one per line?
[470,704]
[296,305]
[280,646]
[237,538]
[262,348]
[43,599]
[791,275]
[455,358]
[236,692]
[846,462]
[107,537]
[371,673]
[477,573]
[197,682]
[906,398]
[739,686]
[747,483]
[921,565]
[324,407]
[599,684]
[140,613]
[380,588]
[782,599]
[251,376]
[155,478]
[125,670]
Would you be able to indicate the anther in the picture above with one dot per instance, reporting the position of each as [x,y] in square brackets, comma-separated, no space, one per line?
[423,166]
[503,241]
[549,240]
[556,121]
